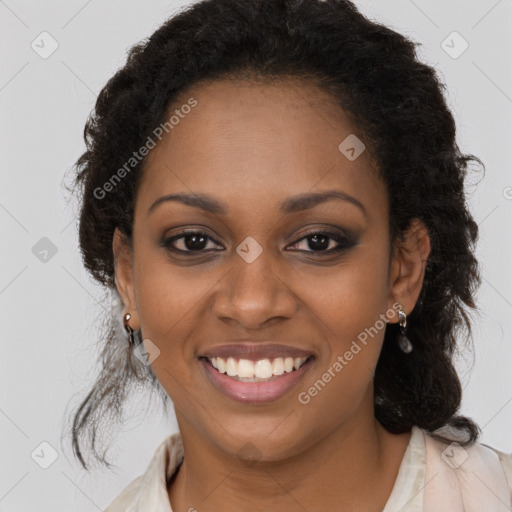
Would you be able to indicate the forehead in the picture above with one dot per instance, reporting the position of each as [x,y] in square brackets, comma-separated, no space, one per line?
[252,142]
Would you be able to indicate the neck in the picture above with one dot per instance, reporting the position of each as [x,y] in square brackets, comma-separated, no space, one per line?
[352,468]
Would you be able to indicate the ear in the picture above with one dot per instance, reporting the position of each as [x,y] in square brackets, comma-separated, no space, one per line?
[123,263]
[408,267]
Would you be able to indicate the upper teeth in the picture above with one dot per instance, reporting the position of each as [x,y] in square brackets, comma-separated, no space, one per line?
[262,368]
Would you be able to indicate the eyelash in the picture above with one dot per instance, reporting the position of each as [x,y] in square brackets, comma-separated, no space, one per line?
[344,242]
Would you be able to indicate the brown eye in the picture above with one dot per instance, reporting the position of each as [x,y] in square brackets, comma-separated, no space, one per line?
[324,242]
[189,241]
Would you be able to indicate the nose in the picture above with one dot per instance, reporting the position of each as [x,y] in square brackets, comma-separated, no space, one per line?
[253,294]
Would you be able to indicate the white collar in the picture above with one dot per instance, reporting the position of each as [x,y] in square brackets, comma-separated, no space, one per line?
[150,490]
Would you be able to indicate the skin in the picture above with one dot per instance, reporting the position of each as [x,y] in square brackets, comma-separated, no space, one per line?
[251,146]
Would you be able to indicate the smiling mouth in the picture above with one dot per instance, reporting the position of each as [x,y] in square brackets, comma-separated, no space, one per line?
[261,370]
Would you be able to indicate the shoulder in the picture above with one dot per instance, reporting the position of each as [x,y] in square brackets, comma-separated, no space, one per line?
[506,463]
[124,501]
[470,478]
[149,490]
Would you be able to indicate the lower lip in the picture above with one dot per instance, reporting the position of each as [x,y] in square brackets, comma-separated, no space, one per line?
[255,392]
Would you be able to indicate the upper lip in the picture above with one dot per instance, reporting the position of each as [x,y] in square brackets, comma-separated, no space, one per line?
[255,351]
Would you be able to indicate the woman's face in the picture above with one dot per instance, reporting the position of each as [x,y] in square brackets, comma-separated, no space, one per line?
[273,263]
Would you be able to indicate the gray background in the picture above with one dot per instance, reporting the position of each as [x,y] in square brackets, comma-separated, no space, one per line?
[48,309]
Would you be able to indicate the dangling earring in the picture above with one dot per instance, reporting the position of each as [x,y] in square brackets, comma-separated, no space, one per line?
[403,341]
[128,329]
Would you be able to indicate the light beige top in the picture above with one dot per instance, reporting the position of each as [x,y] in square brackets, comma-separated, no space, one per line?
[433,477]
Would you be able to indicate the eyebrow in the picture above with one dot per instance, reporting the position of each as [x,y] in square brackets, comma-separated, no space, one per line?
[291,205]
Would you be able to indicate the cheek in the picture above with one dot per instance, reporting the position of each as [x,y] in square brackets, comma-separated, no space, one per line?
[351,296]
[169,301]
[351,306]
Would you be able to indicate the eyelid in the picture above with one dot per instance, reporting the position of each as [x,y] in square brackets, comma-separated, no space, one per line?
[344,240]
[327,230]
[168,240]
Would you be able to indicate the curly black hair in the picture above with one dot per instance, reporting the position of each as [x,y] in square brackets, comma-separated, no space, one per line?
[398,106]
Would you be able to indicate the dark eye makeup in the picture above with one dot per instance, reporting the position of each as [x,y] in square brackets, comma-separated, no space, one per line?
[195,241]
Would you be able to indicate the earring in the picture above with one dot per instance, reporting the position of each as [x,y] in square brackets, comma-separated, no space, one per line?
[403,341]
[128,329]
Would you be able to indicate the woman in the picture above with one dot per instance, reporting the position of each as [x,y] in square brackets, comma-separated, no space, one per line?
[273,194]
